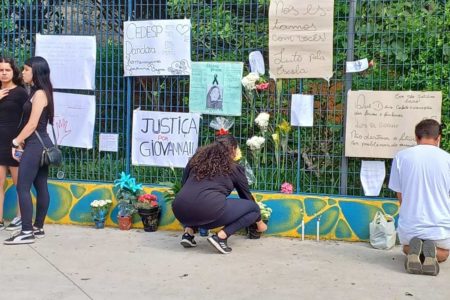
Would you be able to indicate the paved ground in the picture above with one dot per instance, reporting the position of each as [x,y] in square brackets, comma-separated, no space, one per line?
[85,263]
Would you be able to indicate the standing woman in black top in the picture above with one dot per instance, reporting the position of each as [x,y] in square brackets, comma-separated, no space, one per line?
[12,98]
[210,176]
[38,112]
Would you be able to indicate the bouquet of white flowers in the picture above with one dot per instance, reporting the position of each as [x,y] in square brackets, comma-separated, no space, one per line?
[262,120]
[255,143]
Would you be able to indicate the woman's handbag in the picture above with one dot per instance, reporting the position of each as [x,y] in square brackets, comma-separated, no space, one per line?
[51,156]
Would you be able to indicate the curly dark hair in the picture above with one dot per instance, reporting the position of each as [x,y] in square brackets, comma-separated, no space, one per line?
[17,78]
[214,159]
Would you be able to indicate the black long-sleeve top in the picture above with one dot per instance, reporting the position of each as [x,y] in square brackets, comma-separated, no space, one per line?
[203,201]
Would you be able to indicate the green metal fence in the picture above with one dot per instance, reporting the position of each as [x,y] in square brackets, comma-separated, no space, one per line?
[409,42]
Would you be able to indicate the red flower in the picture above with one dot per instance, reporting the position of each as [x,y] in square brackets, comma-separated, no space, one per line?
[222,132]
[262,86]
[147,198]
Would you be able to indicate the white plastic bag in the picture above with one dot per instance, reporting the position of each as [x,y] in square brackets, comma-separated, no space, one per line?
[382,231]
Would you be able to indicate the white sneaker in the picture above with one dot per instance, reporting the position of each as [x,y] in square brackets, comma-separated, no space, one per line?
[15,224]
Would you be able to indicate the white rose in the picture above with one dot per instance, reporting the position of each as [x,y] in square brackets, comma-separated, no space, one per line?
[262,120]
[102,202]
[249,81]
[255,142]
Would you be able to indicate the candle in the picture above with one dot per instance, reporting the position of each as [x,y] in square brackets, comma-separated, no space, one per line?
[303,230]
[318,228]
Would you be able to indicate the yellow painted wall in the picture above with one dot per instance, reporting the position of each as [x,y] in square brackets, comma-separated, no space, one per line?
[341,218]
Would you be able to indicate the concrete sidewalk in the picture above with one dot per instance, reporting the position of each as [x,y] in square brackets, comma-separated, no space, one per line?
[74,262]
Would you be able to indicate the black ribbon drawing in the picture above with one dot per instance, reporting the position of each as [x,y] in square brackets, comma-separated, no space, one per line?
[215,81]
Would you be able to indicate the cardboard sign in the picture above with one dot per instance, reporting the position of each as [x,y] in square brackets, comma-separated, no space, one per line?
[380,123]
[301,38]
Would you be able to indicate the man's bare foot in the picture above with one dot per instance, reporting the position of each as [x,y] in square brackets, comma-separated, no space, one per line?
[261,226]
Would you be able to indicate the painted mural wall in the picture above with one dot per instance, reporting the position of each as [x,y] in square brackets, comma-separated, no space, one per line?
[341,218]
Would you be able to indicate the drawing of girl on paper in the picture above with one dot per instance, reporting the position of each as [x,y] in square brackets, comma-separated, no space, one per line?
[214,97]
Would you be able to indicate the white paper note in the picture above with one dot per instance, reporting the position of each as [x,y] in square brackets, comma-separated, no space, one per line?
[108,142]
[372,176]
[357,66]
[302,110]
[256,61]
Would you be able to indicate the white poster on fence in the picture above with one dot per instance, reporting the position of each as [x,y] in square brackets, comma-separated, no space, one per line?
[381,123]
[74,120]
[157,48]
[71,58]
[164,139]
[301,38]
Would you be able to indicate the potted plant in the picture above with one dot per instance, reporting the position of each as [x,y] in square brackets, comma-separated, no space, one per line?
[125,213]
[127,194]
[148,209]
[100,209]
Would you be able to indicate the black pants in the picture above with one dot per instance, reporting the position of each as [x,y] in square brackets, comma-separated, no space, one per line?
[30,173]
[239,213]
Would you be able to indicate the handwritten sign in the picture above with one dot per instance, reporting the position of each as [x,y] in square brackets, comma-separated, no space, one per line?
[215,88]
[380,123]
[165,139]
[71,59]
[157,48]
[301,38]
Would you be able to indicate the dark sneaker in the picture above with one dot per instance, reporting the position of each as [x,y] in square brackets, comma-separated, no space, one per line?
[430,264]
[20,238]
[252,232]
[2,225]
[412,263]
[219,244]
[15,224]
[38,232]
[187,241]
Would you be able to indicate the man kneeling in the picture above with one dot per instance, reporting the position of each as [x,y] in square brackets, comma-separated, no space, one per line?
[421,177]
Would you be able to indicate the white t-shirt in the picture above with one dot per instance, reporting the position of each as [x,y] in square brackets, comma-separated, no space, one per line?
[422,174]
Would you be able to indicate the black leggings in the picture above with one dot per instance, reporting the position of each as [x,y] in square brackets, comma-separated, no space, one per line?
[30,173]
[238,213]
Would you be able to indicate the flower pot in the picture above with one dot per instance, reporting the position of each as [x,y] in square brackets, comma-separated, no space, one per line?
[124,222]
[99,224]
[150,218]
[203,231]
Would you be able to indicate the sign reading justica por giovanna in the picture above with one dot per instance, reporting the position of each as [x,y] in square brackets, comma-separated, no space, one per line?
[165,139]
